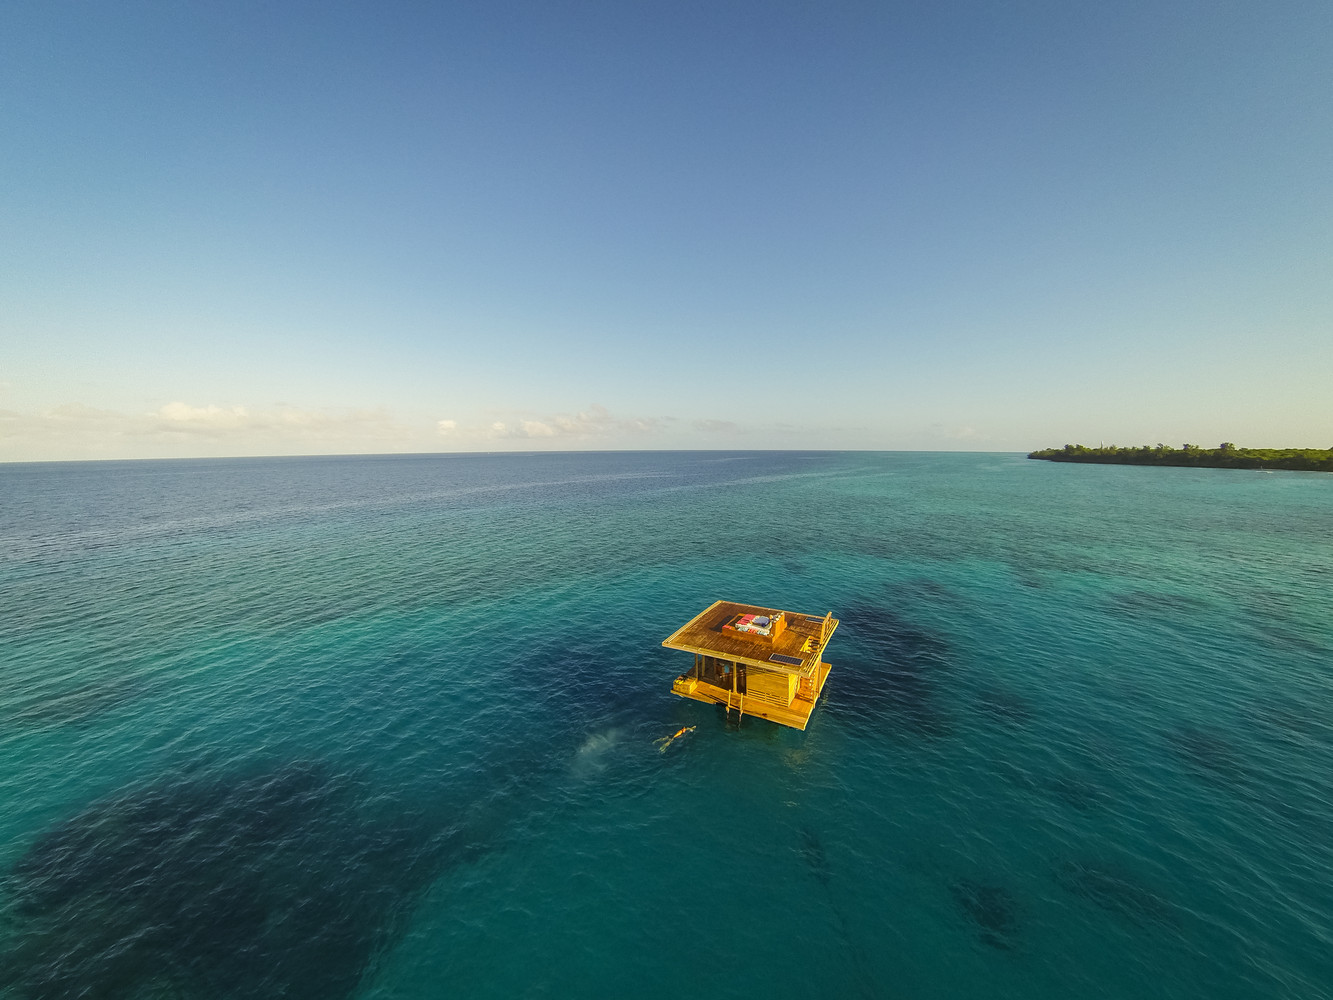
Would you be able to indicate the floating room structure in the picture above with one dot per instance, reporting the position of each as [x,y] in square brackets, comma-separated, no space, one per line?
[758,661]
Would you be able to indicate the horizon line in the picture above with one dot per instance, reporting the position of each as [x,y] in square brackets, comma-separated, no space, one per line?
[515,454]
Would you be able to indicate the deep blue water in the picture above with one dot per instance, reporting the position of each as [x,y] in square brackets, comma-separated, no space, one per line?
[384,728]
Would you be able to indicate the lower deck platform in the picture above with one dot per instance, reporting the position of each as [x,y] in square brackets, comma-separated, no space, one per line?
[796,714]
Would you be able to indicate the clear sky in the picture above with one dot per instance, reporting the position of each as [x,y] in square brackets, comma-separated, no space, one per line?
[282,228]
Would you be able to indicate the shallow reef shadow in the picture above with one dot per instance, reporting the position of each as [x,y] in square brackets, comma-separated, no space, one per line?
[1065,785]
[1153,604]
[893,670]
[1292,639]
[812,852]
[991,909]
[79,704]
[816,860]
[1289,716]
[578,680]
[1116,891]
[1029,578]
[278,880]
[921,588]
[1003,705]
[1207,754]
[1077,792]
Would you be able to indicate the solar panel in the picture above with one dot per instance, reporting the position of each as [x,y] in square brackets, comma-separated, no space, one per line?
[791,661]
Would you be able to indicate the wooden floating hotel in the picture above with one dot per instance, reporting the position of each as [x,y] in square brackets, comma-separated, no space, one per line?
[756,660]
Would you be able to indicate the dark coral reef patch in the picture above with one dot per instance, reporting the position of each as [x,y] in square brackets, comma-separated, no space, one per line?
[272,882]
[76,704]
[893,670]
[1206,753]
[1116,891]
[814,855]
[991,910]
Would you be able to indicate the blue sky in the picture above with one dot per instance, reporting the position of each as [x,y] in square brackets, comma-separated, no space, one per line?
[237,228]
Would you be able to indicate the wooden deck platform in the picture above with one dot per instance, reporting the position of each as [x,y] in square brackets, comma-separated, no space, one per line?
[796,715]
[772,668]
[802,640]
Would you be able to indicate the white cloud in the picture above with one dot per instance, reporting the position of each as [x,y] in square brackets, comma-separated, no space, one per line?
[593,425]
[183,428]
[203,416]
[76,431]
[288,422]
[958,432]
[594,422]
[715,426]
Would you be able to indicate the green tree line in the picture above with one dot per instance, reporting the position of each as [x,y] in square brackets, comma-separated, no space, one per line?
[1224,456]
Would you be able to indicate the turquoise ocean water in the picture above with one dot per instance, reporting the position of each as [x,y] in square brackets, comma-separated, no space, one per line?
[384,728]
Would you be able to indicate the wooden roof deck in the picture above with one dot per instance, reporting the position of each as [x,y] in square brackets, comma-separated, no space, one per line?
[801,643]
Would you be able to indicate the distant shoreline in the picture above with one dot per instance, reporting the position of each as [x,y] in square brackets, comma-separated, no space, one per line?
[1226,456]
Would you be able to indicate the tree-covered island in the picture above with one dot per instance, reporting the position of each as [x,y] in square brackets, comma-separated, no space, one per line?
[1225,456]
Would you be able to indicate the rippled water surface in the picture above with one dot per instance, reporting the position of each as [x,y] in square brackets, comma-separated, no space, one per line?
[384,728]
